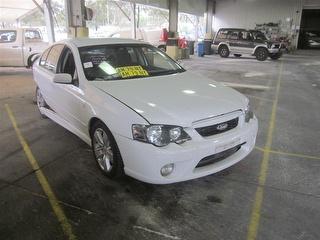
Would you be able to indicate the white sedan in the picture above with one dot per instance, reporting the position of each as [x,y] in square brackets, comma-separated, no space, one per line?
[142,113]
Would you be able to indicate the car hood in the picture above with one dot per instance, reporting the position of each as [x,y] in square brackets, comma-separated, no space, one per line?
[177,99]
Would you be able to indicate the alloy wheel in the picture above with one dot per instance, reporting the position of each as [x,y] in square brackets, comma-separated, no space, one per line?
[40,101]
[103,150]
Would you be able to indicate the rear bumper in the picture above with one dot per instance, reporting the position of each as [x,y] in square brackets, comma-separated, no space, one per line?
[143,161]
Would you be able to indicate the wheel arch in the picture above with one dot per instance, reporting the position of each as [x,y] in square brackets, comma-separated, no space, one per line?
[31,59]
[257,47]
[162,46]
[92,121]
[223,44]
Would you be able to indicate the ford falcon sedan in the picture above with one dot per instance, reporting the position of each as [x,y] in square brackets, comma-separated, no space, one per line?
[141,112]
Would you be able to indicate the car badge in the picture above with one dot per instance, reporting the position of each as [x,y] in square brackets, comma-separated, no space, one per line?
[222,126]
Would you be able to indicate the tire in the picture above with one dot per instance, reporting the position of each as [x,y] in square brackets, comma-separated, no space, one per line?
[223,51]
[105,151]
[275,56]
[32,59]
[40,102]
[162,48]
[261,54]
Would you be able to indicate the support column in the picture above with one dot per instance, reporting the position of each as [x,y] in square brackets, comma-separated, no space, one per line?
[49,20]
[134,21]
[208,39]
[197,29]
[172,42]
[76,23]
[209,19]
[173,16]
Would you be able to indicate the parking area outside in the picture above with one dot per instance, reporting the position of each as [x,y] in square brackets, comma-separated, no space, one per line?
[51,188]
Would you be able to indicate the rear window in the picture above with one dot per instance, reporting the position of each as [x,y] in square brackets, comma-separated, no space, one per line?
[7,36]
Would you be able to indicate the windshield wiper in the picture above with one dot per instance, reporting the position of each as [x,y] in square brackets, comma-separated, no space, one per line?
[166,72]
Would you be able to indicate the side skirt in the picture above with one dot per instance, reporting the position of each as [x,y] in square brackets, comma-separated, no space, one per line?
[56,118]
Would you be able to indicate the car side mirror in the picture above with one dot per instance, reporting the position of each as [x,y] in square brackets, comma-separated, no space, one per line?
[63,78]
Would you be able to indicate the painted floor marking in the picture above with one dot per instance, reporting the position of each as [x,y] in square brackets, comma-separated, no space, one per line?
[256,209]
[54,202]
[157,233]
[288,153]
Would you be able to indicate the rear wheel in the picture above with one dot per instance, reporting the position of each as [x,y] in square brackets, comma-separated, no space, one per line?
[105,151]
[223,51]
[261,54]
[275,56]
[41,103]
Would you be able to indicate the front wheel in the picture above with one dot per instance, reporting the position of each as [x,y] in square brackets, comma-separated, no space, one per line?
[261,54]
[223,51]
[105,151]
[275,56]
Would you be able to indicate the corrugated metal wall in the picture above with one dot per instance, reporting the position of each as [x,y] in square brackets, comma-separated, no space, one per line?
[246,13]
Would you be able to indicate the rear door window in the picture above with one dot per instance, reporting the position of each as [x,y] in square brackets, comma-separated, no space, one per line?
[53,57]
[233,35]
[44,57]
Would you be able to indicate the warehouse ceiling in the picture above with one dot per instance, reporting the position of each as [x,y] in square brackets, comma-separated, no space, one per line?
[194,7]
[10,10]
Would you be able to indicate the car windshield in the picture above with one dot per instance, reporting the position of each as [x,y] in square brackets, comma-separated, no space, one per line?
[117,62]
[259,35]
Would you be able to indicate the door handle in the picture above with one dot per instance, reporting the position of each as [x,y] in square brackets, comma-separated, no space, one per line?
[15,46]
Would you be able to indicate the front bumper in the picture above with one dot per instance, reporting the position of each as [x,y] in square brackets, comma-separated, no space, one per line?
[143,161]
[276,50]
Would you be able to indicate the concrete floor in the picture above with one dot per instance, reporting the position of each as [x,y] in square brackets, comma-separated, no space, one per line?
[214,207]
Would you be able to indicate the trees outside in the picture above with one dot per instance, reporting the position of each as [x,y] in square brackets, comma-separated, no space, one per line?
[112,15]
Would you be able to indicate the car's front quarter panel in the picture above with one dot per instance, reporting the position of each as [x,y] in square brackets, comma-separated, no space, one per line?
[114,114]
[117,116]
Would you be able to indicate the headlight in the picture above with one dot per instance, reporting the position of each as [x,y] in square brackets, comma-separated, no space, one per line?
[159,135]
[248,114]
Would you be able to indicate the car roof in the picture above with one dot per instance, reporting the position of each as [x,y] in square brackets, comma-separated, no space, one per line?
[23,28]
[83,42]
[233,29]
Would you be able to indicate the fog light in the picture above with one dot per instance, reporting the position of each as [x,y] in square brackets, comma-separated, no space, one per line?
[167,169]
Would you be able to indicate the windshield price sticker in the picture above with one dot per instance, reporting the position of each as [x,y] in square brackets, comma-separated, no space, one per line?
[132,71]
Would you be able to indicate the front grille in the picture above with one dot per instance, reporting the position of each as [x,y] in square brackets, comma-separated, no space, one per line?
[218,156]
[218,128]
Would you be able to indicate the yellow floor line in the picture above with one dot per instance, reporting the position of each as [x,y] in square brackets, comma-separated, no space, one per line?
[256,209]
[288,153]
[42,179]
